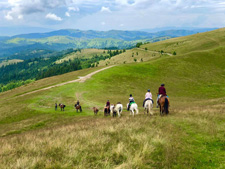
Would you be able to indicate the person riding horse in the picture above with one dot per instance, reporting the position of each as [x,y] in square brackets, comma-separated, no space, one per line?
[107,108]
[148,96]
[162,92]
[78,106]
[131,100]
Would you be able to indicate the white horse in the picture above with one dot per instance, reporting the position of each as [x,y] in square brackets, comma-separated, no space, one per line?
[148,106]
[133,107]
[112,106]
[118,109]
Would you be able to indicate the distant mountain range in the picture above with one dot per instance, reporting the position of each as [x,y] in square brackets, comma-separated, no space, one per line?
[191,30]
[16,46]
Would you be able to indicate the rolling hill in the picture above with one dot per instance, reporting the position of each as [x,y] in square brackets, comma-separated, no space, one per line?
[72,38]
[34,135]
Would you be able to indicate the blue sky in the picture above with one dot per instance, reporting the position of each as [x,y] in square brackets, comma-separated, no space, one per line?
[112,14]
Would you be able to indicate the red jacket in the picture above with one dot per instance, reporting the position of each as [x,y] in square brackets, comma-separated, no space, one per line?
[107,104]
[162,91]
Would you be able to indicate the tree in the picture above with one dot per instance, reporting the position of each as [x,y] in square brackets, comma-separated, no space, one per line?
[135,59]
[174,53]
[139,44]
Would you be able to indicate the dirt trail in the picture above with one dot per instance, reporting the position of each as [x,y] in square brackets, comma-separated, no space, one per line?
[81,80]
[154,51]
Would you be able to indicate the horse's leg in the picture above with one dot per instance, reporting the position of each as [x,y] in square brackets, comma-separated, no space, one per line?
[118,112]
[151,109]
[80,109]
[160,110]
[136,110]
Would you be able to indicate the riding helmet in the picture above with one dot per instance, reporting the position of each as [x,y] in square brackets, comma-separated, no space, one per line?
[162,84]
[130,95]
[148,90]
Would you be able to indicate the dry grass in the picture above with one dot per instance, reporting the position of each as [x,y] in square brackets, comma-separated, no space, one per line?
[9,62]
[127,142]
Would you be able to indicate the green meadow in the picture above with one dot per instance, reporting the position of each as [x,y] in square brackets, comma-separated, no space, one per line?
[34,135]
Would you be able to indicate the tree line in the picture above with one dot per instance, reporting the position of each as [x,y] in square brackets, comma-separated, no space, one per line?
[15,75]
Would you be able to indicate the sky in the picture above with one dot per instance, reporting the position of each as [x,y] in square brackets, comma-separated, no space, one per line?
[111,14]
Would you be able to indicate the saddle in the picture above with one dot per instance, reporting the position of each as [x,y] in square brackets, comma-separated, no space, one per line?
[131,103]
[150,99]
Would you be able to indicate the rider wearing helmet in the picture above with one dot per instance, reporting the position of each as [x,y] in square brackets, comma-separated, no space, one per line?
[162,92]
[148,96]
[131,99]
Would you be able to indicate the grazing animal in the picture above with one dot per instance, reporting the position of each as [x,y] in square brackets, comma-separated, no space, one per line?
[133,107]
[164,105]
[118,109]
[62,106]
[78,107]
[148,106]
[95,110]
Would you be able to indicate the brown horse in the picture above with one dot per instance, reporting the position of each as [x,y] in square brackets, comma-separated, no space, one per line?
[95,110]
[78,107]
[164,105]
[106,110]
[62,106]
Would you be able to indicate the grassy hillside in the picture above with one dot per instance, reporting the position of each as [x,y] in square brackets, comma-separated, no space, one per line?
[34,135]
[9,62]
[84,53]
[193,43]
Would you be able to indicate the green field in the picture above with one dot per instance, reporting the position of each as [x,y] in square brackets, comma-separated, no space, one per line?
[34,135]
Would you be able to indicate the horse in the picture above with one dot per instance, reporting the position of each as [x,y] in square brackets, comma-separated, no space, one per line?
[164,105]
[78,107]
[106,110]
[62,106]
[133,107]
[95,110]
[148,106]
[118,109]
[112,106]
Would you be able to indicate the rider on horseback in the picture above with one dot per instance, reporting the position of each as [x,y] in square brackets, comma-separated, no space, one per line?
[148,96]
[78,103]
[107,108]
[162,92]
[107,103]
[131,100]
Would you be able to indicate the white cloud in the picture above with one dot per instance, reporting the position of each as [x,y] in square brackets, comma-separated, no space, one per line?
[75,9]
[105,9]
[67,14]
[8,16]
[102,23]
[53,16]
[20,17]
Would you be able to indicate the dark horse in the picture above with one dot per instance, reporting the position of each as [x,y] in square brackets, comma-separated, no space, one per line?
[164,105]
[78,107]
[62,106]
[106,110]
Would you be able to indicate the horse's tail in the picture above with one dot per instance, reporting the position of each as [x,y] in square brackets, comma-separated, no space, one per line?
[166,105]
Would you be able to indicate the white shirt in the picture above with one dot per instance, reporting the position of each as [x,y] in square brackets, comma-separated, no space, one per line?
[148,95]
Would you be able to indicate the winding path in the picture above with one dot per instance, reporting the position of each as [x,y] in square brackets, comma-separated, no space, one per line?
[81,80]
